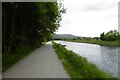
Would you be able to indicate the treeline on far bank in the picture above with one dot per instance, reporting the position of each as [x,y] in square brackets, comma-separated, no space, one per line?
[112,35]
[110,38]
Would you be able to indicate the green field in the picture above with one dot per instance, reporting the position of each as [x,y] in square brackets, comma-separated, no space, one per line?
[99,42]
[77,66]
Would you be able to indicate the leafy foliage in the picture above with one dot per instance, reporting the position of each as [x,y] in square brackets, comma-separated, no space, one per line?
[28,23]
[112,35]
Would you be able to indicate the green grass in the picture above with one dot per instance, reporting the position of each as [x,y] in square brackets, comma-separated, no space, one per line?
[99,42]
[8,59]
[77,66]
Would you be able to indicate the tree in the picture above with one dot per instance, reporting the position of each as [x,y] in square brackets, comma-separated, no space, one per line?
[112,35]
[28,23]
[102,36]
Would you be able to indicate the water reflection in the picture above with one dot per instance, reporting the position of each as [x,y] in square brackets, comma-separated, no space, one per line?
[106,58]
[109,60]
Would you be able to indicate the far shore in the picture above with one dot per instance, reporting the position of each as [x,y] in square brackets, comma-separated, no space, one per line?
[99,42]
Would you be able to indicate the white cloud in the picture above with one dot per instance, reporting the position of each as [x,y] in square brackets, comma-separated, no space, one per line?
[89,17]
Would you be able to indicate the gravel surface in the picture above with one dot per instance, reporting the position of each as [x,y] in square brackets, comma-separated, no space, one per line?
[41,63]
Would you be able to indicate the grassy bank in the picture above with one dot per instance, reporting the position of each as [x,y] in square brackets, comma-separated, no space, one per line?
[77,66]
[8,59]
[99,42]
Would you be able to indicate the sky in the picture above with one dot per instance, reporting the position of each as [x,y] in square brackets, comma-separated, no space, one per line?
[89,18]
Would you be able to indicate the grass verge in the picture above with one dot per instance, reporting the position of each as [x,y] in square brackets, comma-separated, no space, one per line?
[8,59]
[77,66]
[104,43]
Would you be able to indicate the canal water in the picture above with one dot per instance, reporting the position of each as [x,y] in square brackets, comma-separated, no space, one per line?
[106,58]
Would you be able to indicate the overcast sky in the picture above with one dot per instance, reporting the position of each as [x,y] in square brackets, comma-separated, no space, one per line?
[89,17]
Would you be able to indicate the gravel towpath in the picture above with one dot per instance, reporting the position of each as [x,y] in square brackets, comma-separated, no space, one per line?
[41,63]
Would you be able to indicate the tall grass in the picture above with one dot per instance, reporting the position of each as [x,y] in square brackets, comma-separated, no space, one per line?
[77,66]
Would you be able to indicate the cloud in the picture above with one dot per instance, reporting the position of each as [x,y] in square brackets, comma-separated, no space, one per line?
[94,8]
[101,6]
[89,18]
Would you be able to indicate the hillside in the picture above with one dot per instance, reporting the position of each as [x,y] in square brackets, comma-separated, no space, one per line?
[63,36]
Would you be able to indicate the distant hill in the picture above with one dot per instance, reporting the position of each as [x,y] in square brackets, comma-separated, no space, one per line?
[63,36]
